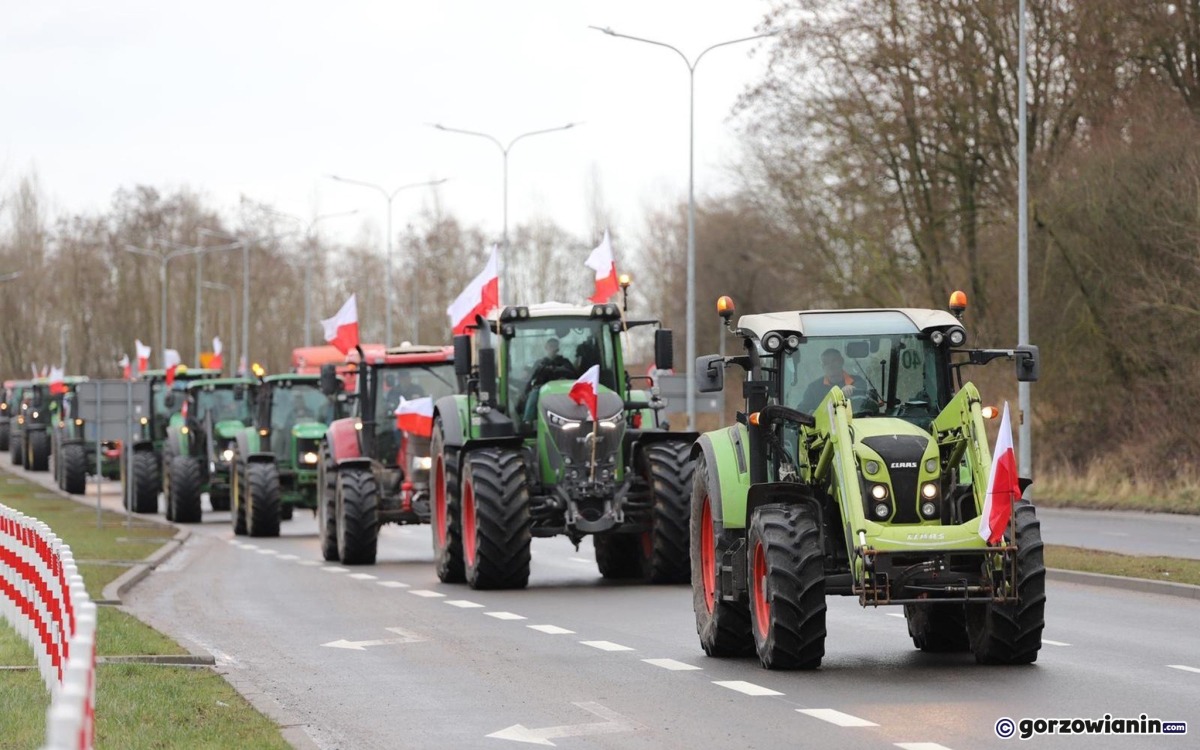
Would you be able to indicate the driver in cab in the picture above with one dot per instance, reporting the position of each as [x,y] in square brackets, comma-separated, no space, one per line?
[833,373]
[553,365]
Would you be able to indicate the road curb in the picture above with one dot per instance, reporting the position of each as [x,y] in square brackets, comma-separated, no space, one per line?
[1142,585]
[122,584]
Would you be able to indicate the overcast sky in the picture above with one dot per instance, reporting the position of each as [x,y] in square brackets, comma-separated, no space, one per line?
[263,99]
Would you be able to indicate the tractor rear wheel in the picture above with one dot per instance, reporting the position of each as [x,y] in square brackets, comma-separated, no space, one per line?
[219,499]
[262,491]
[618,555]
[938,628]
[723,626]
[183,501]
[357,516]
[327,505]
[787,587]
[39,451]
[665,548]
[445,516]
[16,447]
[237,497]
[495,519]
[1011,633]
[5,432]
[145,482]
[71,463]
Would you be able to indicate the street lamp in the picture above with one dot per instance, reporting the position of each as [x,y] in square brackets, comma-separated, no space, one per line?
[308,236]
[387,269]
[691,246]
[504,152]
[232,313]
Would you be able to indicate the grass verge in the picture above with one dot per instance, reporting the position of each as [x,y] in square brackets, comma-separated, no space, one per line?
[1171,569]
[1100,489]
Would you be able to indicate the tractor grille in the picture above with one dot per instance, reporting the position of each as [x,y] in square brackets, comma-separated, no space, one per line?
[901,449]
[570,437]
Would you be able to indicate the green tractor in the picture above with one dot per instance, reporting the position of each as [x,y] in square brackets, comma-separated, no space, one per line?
[198,451]
[10,405]
[41,409]
[73,447]
[858,468]
[515,457]
[276,461]
[147,460]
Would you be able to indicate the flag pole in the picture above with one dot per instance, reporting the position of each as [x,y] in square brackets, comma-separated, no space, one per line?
[595,437]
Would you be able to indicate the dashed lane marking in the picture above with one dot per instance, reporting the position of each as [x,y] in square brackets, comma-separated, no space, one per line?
[1184,667]
[550,629]
[463,604]
[920,746]
[247,545]
[583,560]
[427,593]
[267,552]
[606,645]
[671,664]
[289,558]
[1049,642]
[335,569]
[748,688]
[895,614]
[310,562]
[392,584]
[504,615]
[836,717]
[362,576]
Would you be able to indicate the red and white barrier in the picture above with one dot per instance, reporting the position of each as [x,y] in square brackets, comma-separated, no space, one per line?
[43,598]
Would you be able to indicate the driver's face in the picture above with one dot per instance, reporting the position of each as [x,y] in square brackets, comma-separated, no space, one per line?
[832,366]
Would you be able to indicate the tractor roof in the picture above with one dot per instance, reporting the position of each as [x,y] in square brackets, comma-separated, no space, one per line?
[407,354]
[860,322]
[218,383]
[183,372]
[292,377]
[556,310]
[68,379]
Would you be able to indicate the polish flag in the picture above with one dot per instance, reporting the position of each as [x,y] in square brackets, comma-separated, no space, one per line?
[1002,487]
[33,367]
[342,329]
[602,262]
[586,390]
[480,297]
[143,355]
[415,416]
[172,360]
[126,370]
[57,386]
[217,362]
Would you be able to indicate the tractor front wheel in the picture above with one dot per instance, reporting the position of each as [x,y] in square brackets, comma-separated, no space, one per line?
[1011,633]
[787,587]
[5,432]
[145,482]
[665,548]
[38,458]
[445,518]
[357,516]
[723,626]
[262,491]
[71,463]
[16,447]
[237,498]
[327,505]
[495,519]
[183,501]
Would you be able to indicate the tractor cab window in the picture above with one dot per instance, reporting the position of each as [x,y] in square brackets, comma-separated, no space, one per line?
[410,382]
[222,404]
[544,349]
[158,392]
[297,403]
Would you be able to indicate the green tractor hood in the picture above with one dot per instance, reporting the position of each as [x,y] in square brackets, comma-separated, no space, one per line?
[228,429]
[309,430]
[565,430]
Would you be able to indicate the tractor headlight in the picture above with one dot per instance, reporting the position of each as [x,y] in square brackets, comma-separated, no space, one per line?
[35,415]
[881,510]
[879,491]
[928,509]
[78,422]
[871,467]
[564,423]
[144,421]
[613,422]
[227,454]
[929,491]
[422,463]
[309,457]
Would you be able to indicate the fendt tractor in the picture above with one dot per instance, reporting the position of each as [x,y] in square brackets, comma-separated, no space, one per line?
[198,451]
[516,457]
[276,460]
[10,403]
[371,472]
[147,461]
[40,410]
[73,448]
[858,468]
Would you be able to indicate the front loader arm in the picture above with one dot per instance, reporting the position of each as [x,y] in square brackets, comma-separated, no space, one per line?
[837,465]
[961,436]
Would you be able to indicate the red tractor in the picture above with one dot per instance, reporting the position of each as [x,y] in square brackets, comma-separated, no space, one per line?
[371,471]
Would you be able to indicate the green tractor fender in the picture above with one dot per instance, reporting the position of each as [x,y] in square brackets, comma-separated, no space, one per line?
[452,410]
[179,438]
[727,469]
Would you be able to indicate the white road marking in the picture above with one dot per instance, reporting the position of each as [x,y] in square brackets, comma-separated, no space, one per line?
[288,557]
[247,545]
[362,576]
[463,604]
[1049,642]
[749,688]
[613,723]
[550,629]
[405,637]
[335,569]
[583,560]
[393,584]
[895,614]
[268,552]
[309,562]
[1184,668]
[671,664]
[836,717]
[427,593]
[920,746]
[504,615]
[606,645]
[233,541]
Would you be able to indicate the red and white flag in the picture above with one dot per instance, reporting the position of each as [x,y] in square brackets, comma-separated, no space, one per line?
[126,370]
[415,416]
[602,262]
[33,367]
[143,355]
[342,329]
[586,390]
[217,362]
[1003,489]
[172,360]
[480,297]
[57,386]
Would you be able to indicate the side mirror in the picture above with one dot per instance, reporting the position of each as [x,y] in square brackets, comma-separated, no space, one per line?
[1028,367]
[710,373]
[462,355]
[487,375]
[664,349]
[169,399]
[330,384]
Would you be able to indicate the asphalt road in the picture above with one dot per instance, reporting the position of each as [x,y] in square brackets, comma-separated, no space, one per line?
[1130,533]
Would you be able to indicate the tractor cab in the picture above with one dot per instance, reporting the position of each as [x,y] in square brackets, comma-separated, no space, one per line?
[292,414]
[167,399]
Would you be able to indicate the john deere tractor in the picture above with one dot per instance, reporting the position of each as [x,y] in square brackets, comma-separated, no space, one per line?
[10,406]
[147,461]
[371,472]
[74,447]
[859,467]
[276,460]
[516,457]
[40,410]
[198,451]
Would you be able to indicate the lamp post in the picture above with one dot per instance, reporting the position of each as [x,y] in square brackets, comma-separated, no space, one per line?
[232,313]
[387,268]
[308,236]
[691,226]
[1025,430]
[504,153]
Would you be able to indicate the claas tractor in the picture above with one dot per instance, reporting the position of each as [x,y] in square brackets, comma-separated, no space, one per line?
[859,467]
[277,459]
[371,471]
[10,403]
[147,462]
[74,446]
[198,450]
[516,456]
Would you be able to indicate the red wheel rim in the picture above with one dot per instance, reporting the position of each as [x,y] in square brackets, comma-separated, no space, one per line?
[468,517]
[439,502]
[708,555]
[762,609]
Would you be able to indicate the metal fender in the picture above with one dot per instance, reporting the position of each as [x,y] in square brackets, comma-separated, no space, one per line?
[728,472]
[178,438]
[250,448]
[453,412]
[343,438]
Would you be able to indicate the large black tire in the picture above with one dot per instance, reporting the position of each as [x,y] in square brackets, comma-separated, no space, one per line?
[787,587]
[38,458]
[618,555]
[237,500]
[183,501]
[71,464]
[168,455]
[723,626]
[357,516]
[327,505]
[145,482]
[1011,633]
[445,515]
[495,519]
[262,492]
[5,431]
[16,447]
[665,551]
[220,499]
[938,628]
